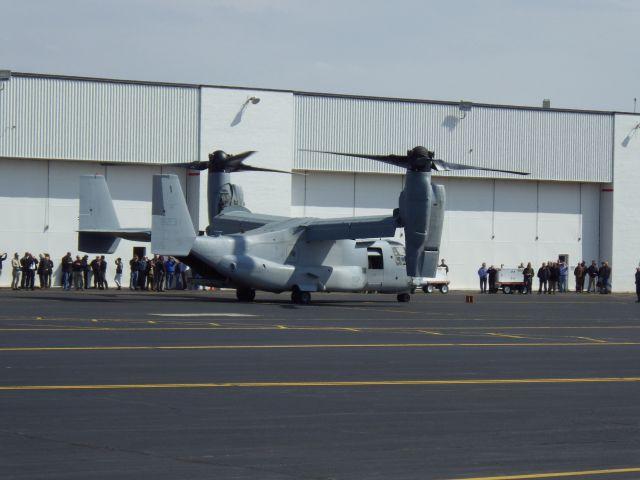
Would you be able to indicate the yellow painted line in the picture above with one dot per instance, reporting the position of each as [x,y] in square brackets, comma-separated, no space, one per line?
[429,332]
[557,474]
[504,335]
[372,383]
[592,339]
[319,345]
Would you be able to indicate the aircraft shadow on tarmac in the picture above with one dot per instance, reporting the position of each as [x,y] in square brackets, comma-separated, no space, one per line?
[285,303]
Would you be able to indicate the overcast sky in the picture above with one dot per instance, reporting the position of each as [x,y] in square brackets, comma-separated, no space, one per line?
[578,53]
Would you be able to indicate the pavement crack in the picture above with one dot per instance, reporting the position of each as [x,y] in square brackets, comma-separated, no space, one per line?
[144,453]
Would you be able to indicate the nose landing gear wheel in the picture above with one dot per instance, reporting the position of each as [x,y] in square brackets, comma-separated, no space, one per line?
[245,294]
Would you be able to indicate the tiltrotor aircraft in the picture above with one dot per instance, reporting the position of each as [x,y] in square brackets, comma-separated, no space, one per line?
[249,251]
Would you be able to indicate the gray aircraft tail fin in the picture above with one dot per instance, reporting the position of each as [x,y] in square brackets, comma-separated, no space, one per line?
[172,231]
[98,217]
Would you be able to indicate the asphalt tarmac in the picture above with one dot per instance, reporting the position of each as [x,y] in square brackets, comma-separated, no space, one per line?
[195,385]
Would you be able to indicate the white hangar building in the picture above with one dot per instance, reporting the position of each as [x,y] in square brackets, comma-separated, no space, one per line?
[580,199]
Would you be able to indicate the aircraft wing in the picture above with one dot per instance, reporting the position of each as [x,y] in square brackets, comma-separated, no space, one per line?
[240,220]
[351,228]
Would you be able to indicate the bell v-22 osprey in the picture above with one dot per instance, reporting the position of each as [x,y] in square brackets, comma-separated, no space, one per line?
[249,251]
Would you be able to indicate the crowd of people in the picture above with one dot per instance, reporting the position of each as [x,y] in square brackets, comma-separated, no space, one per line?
[81,273]
[553,277]
[159,274]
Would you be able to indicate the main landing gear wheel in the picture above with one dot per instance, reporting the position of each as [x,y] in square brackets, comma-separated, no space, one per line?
[404,297]
[300,297]
[245,294]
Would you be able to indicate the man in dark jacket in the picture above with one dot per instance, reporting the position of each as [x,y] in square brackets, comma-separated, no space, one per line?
[103,273]
[493,274]
[554,277]
[95,270]
[579,273]
[638,284]
[528,277]
[67,267]
[543,278]
[605,275]
[86,272]
[47,270]
[592,272]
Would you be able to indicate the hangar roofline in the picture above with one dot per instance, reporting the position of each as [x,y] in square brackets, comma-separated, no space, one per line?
[317,94]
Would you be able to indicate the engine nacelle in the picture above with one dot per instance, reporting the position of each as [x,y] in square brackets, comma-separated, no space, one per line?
[421,214]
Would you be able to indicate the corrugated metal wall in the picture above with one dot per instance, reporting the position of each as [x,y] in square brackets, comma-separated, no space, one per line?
[551,145]
[60,118]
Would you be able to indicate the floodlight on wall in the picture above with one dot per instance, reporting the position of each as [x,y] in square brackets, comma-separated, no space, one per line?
[5,75]
[464,107]
[253,100]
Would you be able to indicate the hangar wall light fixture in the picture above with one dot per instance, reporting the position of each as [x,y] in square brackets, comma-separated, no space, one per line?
[253,100]
[464,107]
[5,75]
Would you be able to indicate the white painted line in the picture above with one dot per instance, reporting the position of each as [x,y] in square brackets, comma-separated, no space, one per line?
[202,315]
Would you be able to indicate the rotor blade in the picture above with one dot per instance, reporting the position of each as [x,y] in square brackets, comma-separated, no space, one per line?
[191,165]
[240,156]
[396,160]
[441,165]
[251,168]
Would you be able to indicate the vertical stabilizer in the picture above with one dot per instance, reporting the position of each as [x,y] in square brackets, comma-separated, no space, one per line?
[172,231]
[96,213]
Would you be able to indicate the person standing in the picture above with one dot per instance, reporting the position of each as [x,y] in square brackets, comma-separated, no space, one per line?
[76,268]
[41,267]
[605,276]
[142,273]
[67,269]
[24,270]
[3,257]
[158,279]
[492,274]
[579,273]
[48,270]
[118,278]
[543,278]
[638,284]
[528,277]
[95,271]
[86,272]
[592,271]
[444,265]
[482,274]
[170,267]
[103,273]
[133,268]
[563,275]
[182,273]
[554,276]
[15,271]
[32,268]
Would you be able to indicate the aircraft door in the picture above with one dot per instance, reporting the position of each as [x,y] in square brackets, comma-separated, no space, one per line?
[375,267]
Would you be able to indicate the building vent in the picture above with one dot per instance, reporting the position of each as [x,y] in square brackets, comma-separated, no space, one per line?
[546,103]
